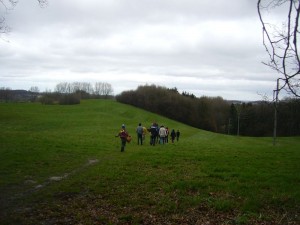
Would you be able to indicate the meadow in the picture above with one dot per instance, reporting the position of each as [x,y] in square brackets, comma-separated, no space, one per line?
[63,165]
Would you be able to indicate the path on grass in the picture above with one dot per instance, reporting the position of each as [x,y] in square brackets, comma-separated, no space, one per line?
[18,192]
[66,175]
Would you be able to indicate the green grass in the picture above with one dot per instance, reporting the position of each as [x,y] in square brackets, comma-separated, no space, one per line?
[203,177]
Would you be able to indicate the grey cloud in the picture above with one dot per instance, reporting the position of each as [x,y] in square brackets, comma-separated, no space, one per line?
[211,44]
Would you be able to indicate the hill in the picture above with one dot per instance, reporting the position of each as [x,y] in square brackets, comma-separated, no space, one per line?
[215,114]
[7,95]
[63,165]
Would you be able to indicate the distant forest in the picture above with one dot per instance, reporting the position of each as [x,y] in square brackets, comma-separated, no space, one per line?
[216,114]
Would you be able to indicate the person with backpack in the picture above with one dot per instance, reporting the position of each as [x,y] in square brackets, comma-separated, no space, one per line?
[139,131]
[154,134]
[123,134]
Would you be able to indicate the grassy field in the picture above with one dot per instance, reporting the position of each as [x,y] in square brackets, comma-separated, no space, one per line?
[63,165]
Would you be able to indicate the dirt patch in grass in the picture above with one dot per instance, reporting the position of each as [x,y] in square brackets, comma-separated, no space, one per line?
[66,175]
[14,194]
[73,208]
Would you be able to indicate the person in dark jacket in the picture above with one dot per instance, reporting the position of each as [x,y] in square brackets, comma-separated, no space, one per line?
[153,131]
[177,135]
[173,135]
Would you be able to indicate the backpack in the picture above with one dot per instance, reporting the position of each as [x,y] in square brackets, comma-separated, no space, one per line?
[123,134]
[140,130]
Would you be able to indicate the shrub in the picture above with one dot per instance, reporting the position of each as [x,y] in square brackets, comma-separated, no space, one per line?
[47,99]
[69,99]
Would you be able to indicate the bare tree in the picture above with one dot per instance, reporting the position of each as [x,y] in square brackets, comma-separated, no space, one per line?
[108,90]
[5,94]
[34,89]
[103,89]
[7,5]
[63,88]
[87,87]
[280,42]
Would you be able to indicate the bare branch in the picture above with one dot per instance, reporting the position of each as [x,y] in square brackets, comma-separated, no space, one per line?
[281,44]
[6,5]
[43,3]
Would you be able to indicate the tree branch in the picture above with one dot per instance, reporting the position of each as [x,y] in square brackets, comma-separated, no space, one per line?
[281,45]
[9,5]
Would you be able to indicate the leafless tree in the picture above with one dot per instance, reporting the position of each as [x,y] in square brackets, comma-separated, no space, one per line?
[63,88]
[5,94]
[87,87]
[103,89]
[34,89]
[280,42]
[7,5]
[100,88]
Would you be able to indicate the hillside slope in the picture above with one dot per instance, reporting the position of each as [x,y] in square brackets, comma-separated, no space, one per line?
[63,165]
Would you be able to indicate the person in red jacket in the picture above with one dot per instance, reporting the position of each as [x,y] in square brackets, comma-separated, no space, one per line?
[123,134]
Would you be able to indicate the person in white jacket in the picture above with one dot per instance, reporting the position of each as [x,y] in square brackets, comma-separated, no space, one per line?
[162,134]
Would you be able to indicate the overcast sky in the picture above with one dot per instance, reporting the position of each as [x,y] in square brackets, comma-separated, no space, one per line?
[204,47]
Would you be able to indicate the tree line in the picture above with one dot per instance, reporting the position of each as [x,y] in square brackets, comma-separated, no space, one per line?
[208,113]
[216,114]
[64,93]
[98,89]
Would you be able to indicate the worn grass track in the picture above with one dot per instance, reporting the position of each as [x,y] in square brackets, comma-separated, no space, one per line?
[63,165]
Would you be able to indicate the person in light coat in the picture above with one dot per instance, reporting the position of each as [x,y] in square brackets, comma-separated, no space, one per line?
[162,134]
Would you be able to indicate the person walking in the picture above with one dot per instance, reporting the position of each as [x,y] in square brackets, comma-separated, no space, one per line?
[173,135]
[177,135]
[153,131]
[162,134]
[123,134]
[167,135]
[145,131]
[139,131]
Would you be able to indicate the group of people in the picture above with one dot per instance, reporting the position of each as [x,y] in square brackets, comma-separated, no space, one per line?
[158,134]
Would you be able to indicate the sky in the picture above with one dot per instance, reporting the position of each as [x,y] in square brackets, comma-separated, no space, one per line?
[206,48]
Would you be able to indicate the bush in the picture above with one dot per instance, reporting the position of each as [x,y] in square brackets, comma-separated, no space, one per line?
[62,99]
[69,99]
[47,99]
